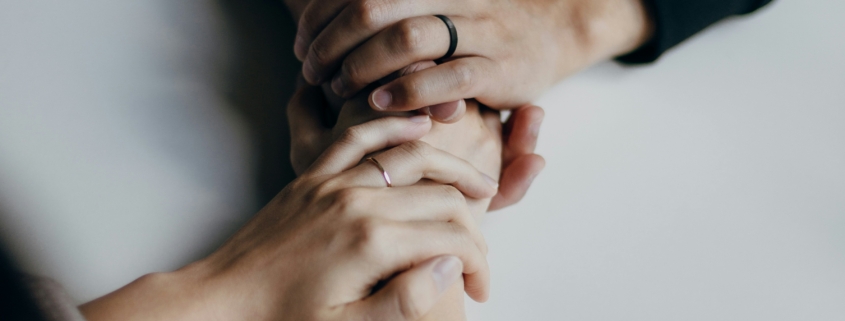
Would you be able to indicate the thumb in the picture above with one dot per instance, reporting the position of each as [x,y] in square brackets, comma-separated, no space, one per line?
[410,295]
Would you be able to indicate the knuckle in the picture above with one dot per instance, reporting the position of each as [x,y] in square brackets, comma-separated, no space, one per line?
[462,234]
[370,14]
[453,196]
[421,147]
[409,36]
[304,25]
[453,193]
[417,150]
[320,53]
[464,77]
[320,191]
[368,237]
[350,200]
[351,136]
[352,71]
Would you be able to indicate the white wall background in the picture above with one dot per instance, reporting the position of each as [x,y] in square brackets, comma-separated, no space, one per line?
[118,154]
[709,186]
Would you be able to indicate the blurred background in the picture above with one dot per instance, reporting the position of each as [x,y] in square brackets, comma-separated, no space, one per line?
[135,137]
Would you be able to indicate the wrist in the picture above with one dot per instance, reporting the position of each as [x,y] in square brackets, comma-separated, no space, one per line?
[179,295]
[597,30]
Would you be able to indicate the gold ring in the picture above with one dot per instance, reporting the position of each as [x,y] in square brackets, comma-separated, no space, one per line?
[383,172]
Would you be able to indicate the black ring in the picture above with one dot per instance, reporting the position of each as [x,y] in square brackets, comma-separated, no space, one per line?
[453,38]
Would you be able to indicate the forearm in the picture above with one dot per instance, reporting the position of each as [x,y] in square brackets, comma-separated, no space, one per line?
[187,294]
[152,297]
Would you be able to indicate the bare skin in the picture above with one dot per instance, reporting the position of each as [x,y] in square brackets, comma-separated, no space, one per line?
[317,250]
[478,138]
[508,52]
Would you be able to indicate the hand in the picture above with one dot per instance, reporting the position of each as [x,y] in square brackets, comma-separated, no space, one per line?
[519,163]
[508,51]
[319,248]
[478,138]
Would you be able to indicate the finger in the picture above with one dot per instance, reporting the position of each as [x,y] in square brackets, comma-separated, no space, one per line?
[427,201]
[360,140]
[520,139]
[522,131]
[457,79]
[410,295]
[407,70]
[410,162]
[448,113]
[314,18]
[392,244]
[401,44]
[306,127]
[516,180]
[357,22]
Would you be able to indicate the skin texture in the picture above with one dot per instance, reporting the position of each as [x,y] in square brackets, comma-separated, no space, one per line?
[321,247]
[480,143]
[517,140]
[508,52]
[477,138]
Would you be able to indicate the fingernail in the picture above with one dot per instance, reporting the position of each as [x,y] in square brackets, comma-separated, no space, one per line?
[339,85]
[490,181]
[382,99]
[446,272]
[419,119]
[299,47]
[309,73]
[445,111]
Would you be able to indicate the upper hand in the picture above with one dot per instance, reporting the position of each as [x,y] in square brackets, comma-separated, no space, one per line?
[508,51]
[353,43]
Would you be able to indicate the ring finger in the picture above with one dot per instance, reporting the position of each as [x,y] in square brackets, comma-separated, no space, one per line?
[356,23]
[404,43]
[410,162]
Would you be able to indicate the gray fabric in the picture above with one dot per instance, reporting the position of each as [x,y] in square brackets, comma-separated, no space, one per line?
[54,303]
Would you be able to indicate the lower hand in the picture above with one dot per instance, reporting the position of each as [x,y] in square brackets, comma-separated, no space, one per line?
[319,248]
[507,153]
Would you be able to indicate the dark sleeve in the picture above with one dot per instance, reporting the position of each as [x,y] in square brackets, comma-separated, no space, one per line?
[677,20]
[16,303]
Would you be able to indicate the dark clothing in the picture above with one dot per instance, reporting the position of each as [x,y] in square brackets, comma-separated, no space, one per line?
[677,20]
[16,303]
